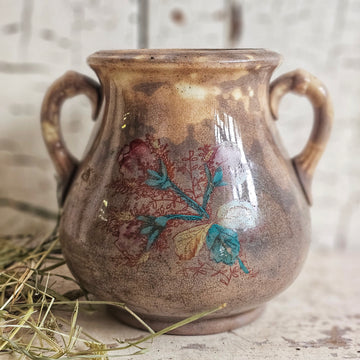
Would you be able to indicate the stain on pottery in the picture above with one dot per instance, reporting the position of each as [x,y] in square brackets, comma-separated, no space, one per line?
[186,198]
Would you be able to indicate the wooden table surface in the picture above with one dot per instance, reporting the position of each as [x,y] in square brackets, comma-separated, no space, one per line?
[318,317]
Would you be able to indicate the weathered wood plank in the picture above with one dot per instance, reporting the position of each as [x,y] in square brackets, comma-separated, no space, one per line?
[187,24]
[39,41]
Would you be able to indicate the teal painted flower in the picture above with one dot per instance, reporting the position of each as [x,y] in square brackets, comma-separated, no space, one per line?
[224,246]
[160,179]
[152,227]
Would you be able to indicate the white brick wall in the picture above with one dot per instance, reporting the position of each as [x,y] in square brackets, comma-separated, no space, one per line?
[40,40]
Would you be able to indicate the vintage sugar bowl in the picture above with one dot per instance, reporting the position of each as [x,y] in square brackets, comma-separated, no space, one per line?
[186,198]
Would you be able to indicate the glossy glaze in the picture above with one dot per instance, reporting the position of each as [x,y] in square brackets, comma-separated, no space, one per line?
[186,199]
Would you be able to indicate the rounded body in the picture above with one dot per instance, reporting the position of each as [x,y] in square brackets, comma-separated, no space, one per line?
[186,199]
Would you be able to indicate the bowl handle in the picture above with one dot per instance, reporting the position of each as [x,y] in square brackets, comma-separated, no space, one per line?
[303,83]
[67,86]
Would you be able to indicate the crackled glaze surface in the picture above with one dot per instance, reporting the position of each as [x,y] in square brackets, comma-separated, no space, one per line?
[186,199]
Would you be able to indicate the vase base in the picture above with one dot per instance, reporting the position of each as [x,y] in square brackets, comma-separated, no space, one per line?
[198,327]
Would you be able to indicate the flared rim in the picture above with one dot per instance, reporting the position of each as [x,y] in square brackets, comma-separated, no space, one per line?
[164,57]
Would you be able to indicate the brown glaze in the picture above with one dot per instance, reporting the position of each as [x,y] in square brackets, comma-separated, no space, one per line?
[186,199]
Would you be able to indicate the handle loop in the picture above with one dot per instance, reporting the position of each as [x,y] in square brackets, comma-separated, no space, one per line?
[67,86]
[303,83]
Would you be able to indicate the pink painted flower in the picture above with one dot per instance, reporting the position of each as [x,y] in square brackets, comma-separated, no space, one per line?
[229,157]
[134,159]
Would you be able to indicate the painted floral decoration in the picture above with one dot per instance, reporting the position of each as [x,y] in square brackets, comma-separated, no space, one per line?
[222,241]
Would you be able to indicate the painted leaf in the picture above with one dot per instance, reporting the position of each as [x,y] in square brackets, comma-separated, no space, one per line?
[237,214]
[218,176]
[125,216]
[223,244]
[152,237]
[189,242]
[154,174]
[162,220]
[143,258]
[146,230]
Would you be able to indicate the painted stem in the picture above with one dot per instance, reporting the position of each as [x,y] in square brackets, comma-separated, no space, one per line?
[243,267]
[192,203]
[184,217]
[209,187]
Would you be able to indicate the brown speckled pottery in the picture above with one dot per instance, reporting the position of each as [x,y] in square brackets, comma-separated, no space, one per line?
[186,198]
